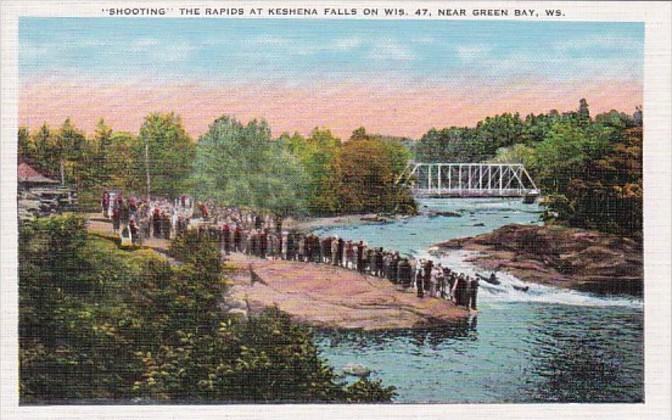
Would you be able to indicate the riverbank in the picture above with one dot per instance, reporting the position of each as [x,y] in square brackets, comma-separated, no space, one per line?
[319,295]
[329,297]
[558,256]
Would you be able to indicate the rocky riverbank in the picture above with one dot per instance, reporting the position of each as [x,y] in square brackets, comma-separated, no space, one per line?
[309,224]
[558,256]
[330,297]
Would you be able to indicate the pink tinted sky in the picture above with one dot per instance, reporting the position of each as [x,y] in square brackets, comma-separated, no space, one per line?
[392,77]
[402,111]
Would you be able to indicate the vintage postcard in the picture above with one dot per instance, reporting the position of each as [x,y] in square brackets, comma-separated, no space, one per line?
[381,209]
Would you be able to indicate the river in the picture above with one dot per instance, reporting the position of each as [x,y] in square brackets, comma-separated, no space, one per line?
[546,345]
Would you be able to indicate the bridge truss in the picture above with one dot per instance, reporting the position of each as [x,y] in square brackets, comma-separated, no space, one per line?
[468,180]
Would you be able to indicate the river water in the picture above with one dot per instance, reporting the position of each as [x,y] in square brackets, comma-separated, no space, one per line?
[546,345]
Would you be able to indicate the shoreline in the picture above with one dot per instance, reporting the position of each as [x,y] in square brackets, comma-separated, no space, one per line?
[554,255]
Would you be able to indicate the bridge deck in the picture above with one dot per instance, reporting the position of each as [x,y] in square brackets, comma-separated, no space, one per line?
[425,193]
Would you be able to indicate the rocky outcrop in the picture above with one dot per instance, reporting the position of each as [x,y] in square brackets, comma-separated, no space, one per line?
[559,256]
[330,297]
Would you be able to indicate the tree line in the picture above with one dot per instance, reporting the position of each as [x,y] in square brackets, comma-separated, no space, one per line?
[588,169]
[232,163]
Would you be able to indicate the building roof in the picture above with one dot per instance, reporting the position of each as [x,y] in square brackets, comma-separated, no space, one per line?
[27,173]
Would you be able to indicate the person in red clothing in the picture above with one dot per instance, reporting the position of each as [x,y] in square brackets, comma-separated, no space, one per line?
[105,204]
[226,238]
[156,222]
[116,219]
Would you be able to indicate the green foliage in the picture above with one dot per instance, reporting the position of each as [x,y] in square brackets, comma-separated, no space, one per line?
[170,153]
[240,165]
[470,144]
[370,168]
[97,322]
[232,163]
[319,156]
[518,153]
[588,170]
[353,177]
[606,192]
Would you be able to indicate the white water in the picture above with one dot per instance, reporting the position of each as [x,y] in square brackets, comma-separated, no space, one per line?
[537,293]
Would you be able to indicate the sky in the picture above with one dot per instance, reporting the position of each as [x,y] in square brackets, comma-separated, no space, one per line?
[392,77]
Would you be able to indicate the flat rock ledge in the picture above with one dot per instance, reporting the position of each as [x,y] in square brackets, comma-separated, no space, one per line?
[558,256]
[329,297]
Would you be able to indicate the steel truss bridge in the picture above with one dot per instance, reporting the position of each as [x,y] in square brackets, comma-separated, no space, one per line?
[468,180]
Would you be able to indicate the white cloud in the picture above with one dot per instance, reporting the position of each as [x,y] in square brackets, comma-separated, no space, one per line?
[472,52]
[423,40]
[155,51]
[268,41]
[346,44]
[388,49]
[143,44]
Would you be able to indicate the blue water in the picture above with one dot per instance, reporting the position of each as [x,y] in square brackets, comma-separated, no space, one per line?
[546,345]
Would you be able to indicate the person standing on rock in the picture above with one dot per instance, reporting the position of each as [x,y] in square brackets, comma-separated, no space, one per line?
[404,273]
[284,254]
[301,248]
[378,262]
[462,291]
[263,243]
[434,282]
[387,266]
[360,257]
[419,280]
[457,290]
[340,253]
[291,246]
[394,268]
[428,274]
[334,251]
[326,250]
[350,253]
[473,292]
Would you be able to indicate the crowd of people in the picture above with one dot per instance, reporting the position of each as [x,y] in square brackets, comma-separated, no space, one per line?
[137,219]
[261,234]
